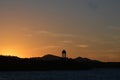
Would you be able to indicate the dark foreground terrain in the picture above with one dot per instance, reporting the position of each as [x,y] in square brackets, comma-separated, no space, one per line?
[51,62]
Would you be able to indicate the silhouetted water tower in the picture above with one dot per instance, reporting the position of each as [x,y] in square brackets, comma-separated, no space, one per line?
[64,54]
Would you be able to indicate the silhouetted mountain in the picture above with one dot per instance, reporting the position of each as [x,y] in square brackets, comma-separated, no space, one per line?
[50,57]
[13,57]
[80,59]
[52,62]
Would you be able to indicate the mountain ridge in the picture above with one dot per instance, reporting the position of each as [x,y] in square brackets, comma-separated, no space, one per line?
[52,62]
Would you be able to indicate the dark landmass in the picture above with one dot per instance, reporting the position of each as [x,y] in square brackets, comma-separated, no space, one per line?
[51,62]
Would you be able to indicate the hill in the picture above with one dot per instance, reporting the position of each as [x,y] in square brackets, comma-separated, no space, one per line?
[52,62]
[50,57]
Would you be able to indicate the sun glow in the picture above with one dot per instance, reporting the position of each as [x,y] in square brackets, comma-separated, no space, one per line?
[10,52]
[15,51]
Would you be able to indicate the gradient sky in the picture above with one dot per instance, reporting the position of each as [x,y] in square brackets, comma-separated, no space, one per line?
[86,28]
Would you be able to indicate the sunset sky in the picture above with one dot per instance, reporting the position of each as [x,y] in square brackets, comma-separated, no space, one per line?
[86,28]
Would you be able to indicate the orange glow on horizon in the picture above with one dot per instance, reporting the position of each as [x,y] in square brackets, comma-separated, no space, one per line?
[9,52]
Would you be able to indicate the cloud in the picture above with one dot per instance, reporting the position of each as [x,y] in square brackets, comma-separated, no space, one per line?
[52,46]
[114,27]
[116,37]
[28,35]
[30,32]
[44,32]
[55,34]
[112,50]
[44,48]
[67,41]
[27,32]
[63,35]
[82,46]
